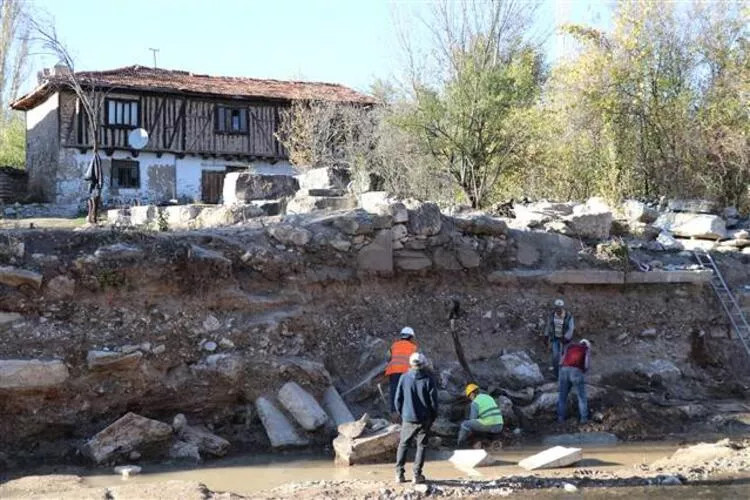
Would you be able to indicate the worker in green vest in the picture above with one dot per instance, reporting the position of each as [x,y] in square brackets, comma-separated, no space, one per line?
[485,416]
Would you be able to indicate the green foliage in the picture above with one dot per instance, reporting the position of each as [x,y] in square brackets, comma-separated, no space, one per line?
[656,107]
[470,125]
[12,140]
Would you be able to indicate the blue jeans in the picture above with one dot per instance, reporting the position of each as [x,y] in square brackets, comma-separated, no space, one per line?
[571,377]
[556,352]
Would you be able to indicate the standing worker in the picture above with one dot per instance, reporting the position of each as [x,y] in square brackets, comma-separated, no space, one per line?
[573,366]
[398,362]
[95,179]
[417,404]
[559,331]
[485,416]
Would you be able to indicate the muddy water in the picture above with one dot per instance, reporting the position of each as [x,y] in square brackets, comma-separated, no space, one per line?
[250,474]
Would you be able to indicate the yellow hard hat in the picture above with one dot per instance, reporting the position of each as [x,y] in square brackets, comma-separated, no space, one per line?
[471,388]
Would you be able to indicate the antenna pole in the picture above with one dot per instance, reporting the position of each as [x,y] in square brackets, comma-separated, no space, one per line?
[154,51]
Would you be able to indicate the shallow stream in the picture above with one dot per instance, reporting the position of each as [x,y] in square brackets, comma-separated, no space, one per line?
[249,474]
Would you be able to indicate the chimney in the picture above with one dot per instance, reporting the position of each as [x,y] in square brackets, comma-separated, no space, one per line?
[60,69]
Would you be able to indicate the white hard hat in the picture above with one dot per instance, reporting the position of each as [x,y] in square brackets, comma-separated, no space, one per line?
[559,303]
[417,359]
[407,331]
[586,342]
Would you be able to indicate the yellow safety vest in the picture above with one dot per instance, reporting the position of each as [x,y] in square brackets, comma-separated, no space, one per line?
[487,411]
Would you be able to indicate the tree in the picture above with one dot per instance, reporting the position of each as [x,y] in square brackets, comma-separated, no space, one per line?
[486,73]
[14,44]
[653,107]
[90,92]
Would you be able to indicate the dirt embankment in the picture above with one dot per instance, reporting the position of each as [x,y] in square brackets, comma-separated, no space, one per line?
[204,323]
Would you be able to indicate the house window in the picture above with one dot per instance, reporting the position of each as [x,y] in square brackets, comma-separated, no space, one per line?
[125,174]
[122,113]
[231,120]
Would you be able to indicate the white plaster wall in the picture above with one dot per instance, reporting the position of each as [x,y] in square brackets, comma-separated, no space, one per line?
[34,116]
[71,188]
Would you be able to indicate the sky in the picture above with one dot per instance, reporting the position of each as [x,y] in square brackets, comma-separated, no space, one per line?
[344,41]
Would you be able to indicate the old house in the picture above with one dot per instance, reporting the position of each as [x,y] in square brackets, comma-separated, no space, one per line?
[199,128]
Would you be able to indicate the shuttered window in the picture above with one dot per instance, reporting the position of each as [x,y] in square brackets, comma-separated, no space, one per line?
[122,113]
[231,120]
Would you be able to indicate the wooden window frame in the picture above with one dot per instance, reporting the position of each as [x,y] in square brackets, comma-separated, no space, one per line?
[131,164]
[123,102]
[226,112]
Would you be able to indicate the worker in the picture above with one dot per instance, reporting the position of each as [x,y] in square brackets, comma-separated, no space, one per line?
[417,405]
[398,361]
[573,367]
[558,331]
[485,416]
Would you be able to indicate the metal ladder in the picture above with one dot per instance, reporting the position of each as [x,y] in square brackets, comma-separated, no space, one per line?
[726,298]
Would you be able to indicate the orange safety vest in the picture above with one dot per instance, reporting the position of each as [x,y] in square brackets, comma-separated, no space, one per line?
[400,352]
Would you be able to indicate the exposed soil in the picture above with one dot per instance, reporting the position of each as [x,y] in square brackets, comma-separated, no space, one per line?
[268,306]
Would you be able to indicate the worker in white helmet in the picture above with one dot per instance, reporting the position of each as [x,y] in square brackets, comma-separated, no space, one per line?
[398,360]
[417,405]
[559,332]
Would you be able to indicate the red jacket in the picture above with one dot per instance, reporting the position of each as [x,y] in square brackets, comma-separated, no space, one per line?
[576,355]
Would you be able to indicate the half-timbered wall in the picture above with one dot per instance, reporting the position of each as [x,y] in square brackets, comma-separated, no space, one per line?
[182,125]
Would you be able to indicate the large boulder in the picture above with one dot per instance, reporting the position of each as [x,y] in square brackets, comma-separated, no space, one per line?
[378,255]
[204,440]
[279,429]
[12,276]
[118,252]
[336,407]
[324,178]
[412,260]
[694,206]
[30,374]
[481,225]
[516,370]
[637,211]
[376,447]
[302,406]
[425,220]
[688,225]
[590,220]
[354,429]
[130,433]
[289,235]
[242,187]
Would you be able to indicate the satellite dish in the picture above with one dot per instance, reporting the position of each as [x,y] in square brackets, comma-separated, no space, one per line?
[138,138]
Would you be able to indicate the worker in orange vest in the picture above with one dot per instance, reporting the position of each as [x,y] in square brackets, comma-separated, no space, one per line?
[398,361]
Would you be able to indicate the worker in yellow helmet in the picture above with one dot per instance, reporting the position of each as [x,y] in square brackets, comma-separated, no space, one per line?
[485,416]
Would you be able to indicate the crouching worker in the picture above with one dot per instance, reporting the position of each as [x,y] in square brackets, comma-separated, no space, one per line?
[485,416]
[573,365]
[417,404]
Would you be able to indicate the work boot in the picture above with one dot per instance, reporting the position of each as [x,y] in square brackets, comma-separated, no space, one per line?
[400,478]
[418,479]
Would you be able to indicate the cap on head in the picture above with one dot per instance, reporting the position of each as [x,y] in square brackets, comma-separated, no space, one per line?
[407,332]
[559,303]
[417,359]
[470,389]
[586,342]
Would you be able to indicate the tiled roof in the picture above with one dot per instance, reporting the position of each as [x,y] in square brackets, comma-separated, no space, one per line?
[173,81]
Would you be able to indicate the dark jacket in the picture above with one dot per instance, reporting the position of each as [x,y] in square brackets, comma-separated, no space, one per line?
[568,327]
[416,396]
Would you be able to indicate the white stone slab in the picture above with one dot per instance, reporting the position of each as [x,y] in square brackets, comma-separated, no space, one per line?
[558,456]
